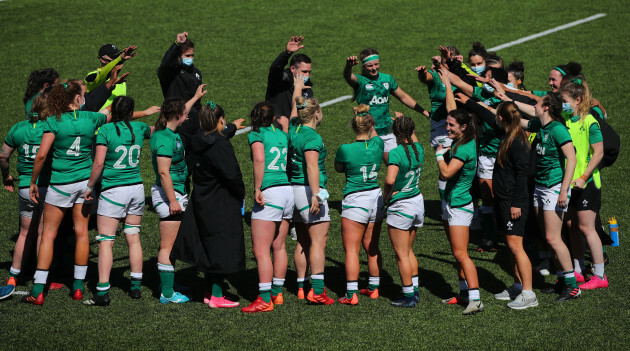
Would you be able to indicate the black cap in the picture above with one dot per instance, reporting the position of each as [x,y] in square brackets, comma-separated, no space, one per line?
[108,50]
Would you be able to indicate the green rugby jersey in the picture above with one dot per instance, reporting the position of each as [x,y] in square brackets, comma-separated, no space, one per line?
[408,172]
[583,134]
[166,143]
[550,162]
[25,138]
[72,148]
[276,145]
[28,105]
[489,141]
[375,93]
[457,193]
[362,161]
[437,94]
[122,161]
[302,139]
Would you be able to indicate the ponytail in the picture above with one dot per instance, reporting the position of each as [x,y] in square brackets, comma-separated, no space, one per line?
[122,111]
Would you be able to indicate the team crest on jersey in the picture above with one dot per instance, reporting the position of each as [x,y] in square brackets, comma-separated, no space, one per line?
[509,225]
[386,85]
[179,145]
[197,75]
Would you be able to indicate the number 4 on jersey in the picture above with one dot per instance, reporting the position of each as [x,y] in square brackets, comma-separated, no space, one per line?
[75,148]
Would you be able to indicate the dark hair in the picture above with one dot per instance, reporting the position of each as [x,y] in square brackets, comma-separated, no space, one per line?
[122,111]
[478,50]
[464,118]
[171,108]
[209,117]
[185,46]
[453,50]
[555,106]
[299,58]
[37,80]
[511,120]
[571,68]
[62,95]
[499,74]
[367,52]
[518,71]
[261,115]
[39,110]
[362,122]
[403,128]
[494,59]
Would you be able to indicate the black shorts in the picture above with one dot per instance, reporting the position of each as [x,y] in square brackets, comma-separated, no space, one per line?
[587,199]
[505,223]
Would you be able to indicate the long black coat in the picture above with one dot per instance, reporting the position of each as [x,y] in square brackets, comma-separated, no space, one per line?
[211,232]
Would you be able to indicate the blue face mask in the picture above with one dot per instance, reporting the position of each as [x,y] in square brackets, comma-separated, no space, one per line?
[187,61]
[487,87]
[566,107]
[478,69]
[306,79]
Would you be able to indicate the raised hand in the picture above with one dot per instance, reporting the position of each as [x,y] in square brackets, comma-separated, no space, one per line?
[128,53]
[152,110]
[294,44]
[239,123]
[181,37]
[461,97]
[200,91]
[352,61]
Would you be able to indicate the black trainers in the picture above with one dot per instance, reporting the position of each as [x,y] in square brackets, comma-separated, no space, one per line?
[97,300]
[554,289]
[569,293]
[135,294]
[404,302]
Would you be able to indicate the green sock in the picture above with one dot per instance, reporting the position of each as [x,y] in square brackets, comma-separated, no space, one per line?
[351,293]
[102,288]
[217,291]
[266,295]
[214,282]
[604,249]
[300,284]
[167,278]
[276,289]
[13,275]
[77,285]
[317,282]
[570,281]
[37,289]
[135,283]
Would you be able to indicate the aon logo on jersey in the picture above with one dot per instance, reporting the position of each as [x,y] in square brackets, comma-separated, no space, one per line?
[379,100]
[540,150]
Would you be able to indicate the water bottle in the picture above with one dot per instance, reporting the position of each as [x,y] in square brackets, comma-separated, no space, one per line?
[613,228]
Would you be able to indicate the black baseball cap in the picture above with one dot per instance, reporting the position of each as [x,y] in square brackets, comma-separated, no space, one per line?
[108,50]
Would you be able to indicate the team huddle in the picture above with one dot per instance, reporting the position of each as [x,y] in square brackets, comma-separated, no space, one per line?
[532,158]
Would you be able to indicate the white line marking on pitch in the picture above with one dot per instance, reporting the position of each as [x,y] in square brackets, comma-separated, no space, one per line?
[496,48]
[548,31]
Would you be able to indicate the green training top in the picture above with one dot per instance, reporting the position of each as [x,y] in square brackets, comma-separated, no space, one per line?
[166,143]
[550,162]
[408,172]
[361,161]
[25,138]
[276,145]
[122,161]
[375,93]
[583,136]
[437,94]
[302,139]
[457,193]
[72,148]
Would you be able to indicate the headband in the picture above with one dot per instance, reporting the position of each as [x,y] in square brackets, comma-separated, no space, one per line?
[560,70]
[359,114]
[577,81]
[212,104]
[370,58]
[65,85]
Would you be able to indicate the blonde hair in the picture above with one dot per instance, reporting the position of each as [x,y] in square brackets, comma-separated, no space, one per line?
[362,122]
[306,108]
[578,88]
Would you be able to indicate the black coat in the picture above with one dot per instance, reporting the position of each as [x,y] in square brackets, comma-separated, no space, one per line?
[211,232]
[280,86]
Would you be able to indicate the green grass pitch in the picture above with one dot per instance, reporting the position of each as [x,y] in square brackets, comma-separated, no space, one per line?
[235,43]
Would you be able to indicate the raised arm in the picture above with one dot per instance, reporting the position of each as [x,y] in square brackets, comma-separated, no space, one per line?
[198,95]
[350,78]
[450,98]
[423,75]
[409,101]
[459,83]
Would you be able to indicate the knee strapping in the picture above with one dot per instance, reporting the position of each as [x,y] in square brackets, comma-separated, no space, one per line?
[103,237]
[131,229]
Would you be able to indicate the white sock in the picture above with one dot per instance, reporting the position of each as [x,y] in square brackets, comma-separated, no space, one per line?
[598,270]
[264,286]
[374,280]
[407,289]
[278,281]
[414,280]
[441,184]
[353,285]
[40,277]
[165,267]
[473,294]
[136,275]
[569,274]
[317,276]
[80,272]
[14,271]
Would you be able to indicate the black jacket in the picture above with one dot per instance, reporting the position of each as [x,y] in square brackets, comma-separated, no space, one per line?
[211,232]
[180,81]
[280,86]
[509,183]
